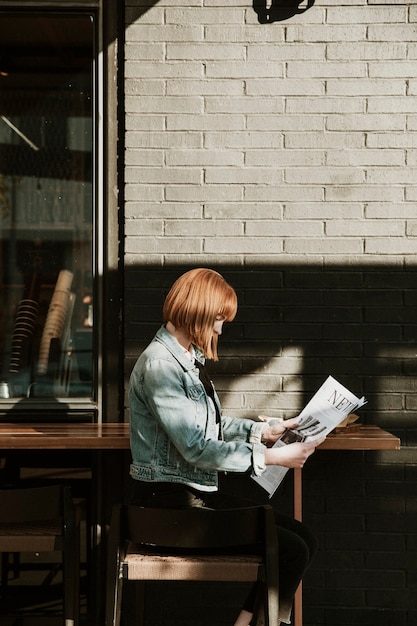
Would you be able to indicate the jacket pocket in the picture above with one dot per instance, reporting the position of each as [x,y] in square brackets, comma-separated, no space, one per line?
[195,392]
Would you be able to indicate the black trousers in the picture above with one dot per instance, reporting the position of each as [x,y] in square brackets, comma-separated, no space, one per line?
[297,545]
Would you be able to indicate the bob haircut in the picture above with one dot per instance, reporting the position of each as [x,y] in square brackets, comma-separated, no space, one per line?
[194,302]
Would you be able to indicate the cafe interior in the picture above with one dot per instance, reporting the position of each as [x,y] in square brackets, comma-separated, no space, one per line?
[51,371]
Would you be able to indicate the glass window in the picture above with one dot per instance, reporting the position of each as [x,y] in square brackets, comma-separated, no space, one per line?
[47,204]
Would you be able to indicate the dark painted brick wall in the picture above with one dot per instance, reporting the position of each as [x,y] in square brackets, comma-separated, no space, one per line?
[295,326]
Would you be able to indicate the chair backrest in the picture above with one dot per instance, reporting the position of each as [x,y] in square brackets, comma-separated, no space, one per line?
[35,504]
[197,527]
[42,519]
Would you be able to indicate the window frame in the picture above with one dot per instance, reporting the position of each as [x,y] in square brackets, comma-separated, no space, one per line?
[106,404]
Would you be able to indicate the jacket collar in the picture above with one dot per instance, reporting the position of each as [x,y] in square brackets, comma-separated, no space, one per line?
[177,350]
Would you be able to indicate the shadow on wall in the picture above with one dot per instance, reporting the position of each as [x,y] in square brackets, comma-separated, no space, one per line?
[279,10]
[268,11]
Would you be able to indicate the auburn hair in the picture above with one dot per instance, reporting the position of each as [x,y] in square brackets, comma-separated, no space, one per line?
[194,302]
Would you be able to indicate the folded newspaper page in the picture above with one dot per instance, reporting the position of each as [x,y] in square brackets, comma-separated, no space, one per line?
[330,405]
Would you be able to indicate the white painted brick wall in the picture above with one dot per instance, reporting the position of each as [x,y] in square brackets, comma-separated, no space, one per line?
[314,115]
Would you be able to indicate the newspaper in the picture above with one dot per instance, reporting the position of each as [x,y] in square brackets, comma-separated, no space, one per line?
[330,405]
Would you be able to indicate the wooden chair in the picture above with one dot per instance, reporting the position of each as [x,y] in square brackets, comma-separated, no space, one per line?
[192,545]
[42,519]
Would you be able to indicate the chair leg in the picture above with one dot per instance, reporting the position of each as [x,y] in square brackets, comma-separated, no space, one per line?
[117,607]
[70,593]
[271,606]
[71,580]
[4,568]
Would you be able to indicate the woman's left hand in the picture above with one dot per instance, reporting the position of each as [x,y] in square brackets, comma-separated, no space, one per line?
[274,429]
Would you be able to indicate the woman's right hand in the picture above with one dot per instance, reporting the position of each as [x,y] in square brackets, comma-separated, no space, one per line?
[292,455]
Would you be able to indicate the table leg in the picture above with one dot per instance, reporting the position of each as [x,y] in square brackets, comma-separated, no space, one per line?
[298,515]
[298,494]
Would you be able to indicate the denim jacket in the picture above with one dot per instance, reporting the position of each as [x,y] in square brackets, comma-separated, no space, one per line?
[174,435]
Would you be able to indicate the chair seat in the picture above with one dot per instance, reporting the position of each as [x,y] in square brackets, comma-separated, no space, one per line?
[141,564]
[39,536]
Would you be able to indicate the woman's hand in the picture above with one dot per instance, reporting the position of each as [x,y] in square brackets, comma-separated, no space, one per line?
[274,429]
[292,454]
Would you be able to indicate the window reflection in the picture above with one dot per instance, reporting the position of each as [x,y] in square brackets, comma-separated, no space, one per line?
[46,204]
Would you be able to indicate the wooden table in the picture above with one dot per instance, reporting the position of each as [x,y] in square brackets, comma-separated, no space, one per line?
[361,437]
[106,442]
[64,436]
